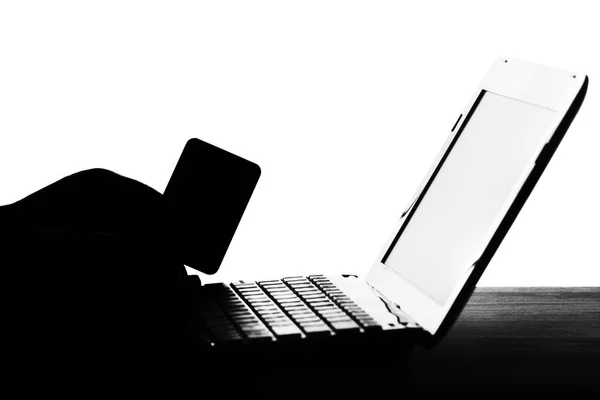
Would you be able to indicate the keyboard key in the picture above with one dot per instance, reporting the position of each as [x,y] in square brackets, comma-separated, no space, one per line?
[254,296]
[339,318]
[245,294]
[295,279]
[243,322]
[296,287]
[277,289]
[305,291]
[309,321]
[266,308]
[245,288]
[317,330]
[319,302]
[281,323]
[253,327]
[275,318]
[260,336]
[257,302]
[287,332]
[284,295]
[290,301]
[291,306]
[300,318]
[312,295]
[299,283]
[327,309]
[270,282]
[299,310]
[345,327]
[371,326]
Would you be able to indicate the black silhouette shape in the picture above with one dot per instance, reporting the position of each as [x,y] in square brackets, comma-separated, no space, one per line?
[95,290]
[204,202]
[90,283]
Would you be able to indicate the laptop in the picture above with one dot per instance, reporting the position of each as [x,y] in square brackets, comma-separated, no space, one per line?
[427,269]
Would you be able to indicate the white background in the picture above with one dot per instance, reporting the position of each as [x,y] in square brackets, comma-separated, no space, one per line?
[344,105]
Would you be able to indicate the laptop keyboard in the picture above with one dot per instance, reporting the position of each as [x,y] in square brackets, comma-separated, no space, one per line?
[286,309]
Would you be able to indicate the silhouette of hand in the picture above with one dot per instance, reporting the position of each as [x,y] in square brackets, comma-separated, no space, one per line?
[91,278]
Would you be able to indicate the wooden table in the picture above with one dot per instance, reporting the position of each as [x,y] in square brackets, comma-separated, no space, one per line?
[525,336]
[507,342]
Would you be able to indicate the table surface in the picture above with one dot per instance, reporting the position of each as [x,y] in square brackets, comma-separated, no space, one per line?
[515,335]
[510,341]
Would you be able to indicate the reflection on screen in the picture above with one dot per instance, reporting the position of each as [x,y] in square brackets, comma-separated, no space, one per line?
[460,210]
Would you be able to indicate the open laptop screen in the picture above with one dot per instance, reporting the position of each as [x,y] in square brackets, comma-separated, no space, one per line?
[463,206]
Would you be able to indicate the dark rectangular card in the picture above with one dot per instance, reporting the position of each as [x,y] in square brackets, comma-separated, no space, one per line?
[205,200]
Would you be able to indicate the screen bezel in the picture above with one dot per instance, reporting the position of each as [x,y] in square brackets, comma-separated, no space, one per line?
[539,85]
